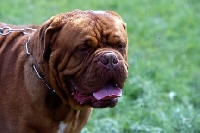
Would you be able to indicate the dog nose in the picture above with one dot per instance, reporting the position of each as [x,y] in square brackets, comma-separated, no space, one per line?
[110,60]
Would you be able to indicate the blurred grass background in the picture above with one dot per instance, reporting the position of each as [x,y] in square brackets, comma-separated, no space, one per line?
[162,93]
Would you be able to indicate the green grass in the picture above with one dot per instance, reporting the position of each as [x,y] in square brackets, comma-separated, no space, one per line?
[162,93]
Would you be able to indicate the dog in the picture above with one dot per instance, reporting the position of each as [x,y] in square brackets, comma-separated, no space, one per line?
[52,75]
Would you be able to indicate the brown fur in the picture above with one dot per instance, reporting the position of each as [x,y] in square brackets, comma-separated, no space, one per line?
[26,104]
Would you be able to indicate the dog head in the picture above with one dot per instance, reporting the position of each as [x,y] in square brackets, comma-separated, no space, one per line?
[87,56]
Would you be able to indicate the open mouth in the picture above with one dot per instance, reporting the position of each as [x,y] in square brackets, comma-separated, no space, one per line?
[108,91]
[106,96]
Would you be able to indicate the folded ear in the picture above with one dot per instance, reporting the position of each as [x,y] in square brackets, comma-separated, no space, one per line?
[46,35]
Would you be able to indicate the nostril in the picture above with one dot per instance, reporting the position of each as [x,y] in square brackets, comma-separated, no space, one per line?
[104,60]
[110,60]
[115,60]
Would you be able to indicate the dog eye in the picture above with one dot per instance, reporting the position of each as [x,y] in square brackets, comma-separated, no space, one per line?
[121,46]
[83,49]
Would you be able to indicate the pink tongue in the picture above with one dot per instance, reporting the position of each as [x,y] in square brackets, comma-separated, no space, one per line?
[108,91]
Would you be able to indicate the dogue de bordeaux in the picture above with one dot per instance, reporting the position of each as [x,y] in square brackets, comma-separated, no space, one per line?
[52,75]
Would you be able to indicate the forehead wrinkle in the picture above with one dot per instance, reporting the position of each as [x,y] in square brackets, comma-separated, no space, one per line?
[108,27]
[102,24]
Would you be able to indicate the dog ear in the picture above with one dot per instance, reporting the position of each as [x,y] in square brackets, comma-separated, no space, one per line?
[46,34]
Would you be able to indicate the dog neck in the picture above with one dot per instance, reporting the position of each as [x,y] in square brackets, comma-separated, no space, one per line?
[42,78]
[39,75]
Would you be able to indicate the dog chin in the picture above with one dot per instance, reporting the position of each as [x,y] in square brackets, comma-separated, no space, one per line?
[103,104]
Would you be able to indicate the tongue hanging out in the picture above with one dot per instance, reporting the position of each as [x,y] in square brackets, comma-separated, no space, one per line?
[108,91]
